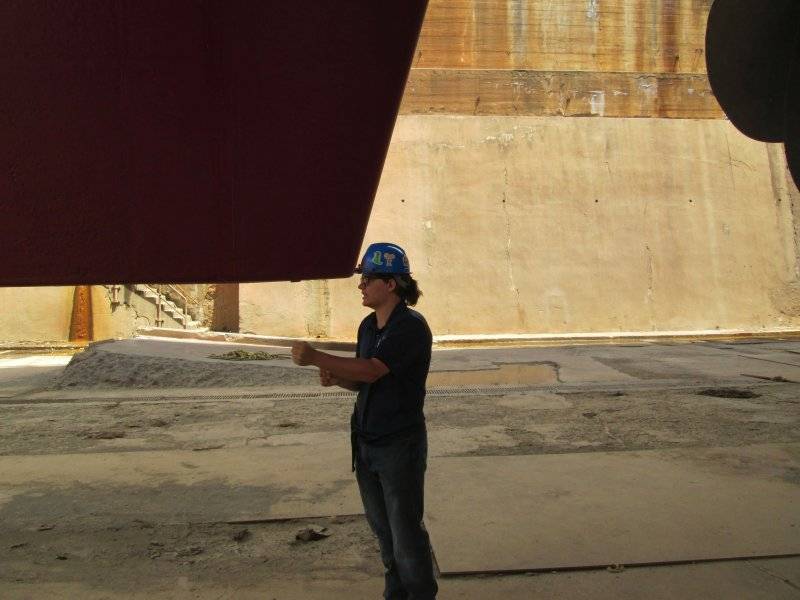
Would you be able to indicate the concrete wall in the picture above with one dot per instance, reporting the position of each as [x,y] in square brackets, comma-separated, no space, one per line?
[562,166]
[33,314]
[43,314]
[124,318]
[567,225]
[623,36]
[614,58]
[222,310]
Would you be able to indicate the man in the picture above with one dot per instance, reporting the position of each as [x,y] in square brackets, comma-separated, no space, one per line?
[389,438]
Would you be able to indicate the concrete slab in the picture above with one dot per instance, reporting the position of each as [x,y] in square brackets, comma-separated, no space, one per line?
[26,373]
[291,476]
[167,393]
[504,374]
[36,360]
[572,364]
[609,364]
[751,580]
[520,513]
[143,363]
[784,569]
[694,362]
[188,349]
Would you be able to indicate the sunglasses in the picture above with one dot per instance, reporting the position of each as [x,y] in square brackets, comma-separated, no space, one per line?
[365,279]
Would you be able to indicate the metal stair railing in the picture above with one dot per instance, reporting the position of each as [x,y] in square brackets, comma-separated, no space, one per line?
[175,292]
[179,297]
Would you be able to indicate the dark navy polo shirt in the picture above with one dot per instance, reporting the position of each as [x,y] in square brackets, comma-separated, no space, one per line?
[393,404]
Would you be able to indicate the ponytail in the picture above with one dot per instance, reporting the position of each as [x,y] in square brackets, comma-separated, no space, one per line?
[408,289]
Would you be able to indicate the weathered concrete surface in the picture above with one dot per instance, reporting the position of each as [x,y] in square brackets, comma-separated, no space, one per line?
[82,451]
[260,480]
[35,313]
[525,225]
[754,580]
[42,314]
[223,307]
[566,94]
[625,508]
[166,366]
[617,58]
[123,319]
[24,374]
[552,225]
[657,36]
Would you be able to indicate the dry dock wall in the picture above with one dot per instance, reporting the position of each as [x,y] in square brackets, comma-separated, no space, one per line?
[35,315]
[554,225]
[561,166]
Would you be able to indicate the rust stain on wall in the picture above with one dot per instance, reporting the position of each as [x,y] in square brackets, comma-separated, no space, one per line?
[81,324]
[613,58]
[640,34]
[670,49]
[504,92]
[565,35]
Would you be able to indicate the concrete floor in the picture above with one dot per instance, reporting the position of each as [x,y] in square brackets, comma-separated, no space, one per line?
[122,487]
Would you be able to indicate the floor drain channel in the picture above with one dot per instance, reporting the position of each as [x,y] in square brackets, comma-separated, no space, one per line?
[433,392]
[442,391]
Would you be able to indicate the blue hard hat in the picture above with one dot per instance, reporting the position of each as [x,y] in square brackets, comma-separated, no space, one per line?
[384,258]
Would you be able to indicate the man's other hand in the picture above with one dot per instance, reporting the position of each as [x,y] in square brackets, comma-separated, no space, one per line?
[326,379]
[302,353]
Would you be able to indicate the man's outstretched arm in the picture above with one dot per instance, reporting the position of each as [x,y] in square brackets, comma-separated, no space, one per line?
[356,370]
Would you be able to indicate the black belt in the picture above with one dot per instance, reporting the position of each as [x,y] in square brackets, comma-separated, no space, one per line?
[355,436]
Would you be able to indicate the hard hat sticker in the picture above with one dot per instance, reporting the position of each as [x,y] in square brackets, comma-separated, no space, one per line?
[384,258]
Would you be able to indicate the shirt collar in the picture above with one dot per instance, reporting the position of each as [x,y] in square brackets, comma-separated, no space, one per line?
[396,311]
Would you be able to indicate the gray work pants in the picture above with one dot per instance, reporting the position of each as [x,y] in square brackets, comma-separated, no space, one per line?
[391,478]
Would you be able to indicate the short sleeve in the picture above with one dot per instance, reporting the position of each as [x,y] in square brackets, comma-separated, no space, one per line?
[399,350]
[359,337]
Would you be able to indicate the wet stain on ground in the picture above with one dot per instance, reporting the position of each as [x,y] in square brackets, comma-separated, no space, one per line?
[643,368]
[525,373]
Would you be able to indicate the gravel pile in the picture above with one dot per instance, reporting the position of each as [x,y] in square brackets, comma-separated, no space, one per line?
[95,368]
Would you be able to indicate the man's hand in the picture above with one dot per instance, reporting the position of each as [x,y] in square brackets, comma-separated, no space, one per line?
[303,353]
[326,379]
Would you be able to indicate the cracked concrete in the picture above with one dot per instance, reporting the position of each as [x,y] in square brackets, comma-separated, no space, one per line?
[112,506]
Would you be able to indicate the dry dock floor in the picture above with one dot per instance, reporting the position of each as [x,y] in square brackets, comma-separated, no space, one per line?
[147,468]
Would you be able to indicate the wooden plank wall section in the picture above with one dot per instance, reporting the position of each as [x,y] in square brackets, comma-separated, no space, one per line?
[614,58]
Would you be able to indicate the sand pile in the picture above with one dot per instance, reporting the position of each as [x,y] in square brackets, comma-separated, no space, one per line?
[96,368]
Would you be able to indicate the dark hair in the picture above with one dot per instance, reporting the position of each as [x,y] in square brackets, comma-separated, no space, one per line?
[407,289]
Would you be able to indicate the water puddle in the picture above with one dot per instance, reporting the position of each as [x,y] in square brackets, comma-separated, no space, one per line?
[540,373]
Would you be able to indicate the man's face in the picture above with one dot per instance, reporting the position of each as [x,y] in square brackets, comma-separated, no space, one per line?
[375,291]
